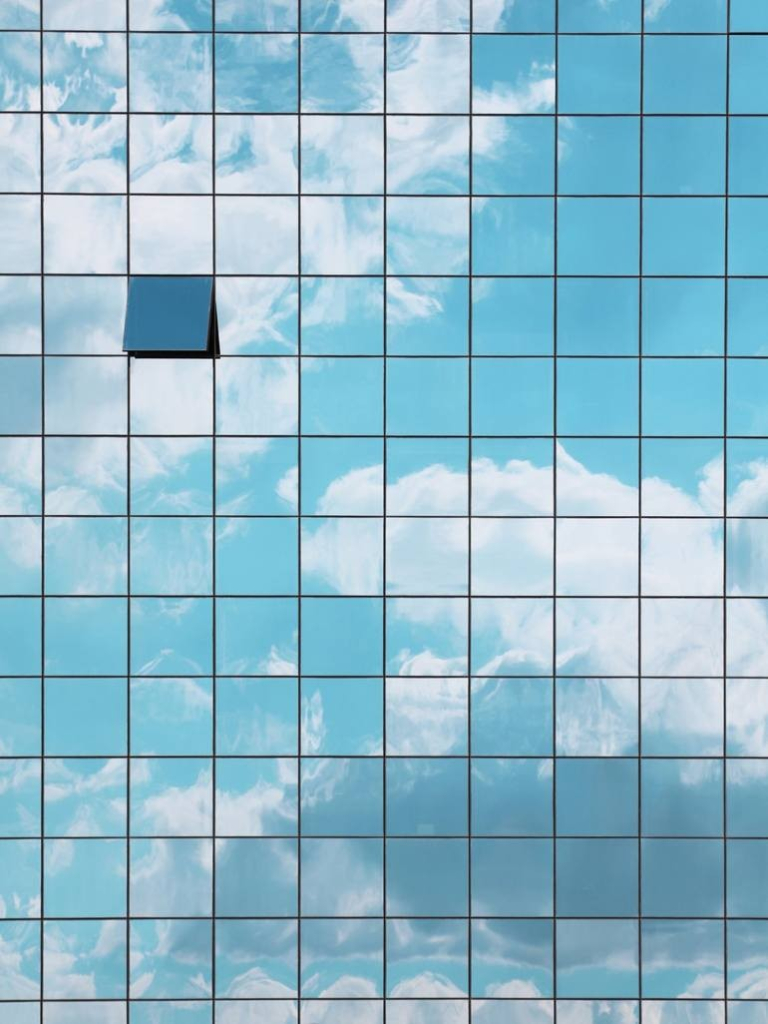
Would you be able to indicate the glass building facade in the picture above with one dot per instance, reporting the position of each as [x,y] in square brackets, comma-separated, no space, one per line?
[408,662]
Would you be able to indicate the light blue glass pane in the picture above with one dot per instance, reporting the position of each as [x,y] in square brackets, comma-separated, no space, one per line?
[256,636]
[170,796]
[341,963]
[512,396]
[85,797]
[20,798]
[85,716]
[256,716]
[84,877]
[256,877]
[427,396]
[597,877]
[746,225]
[599,75]
[256,475]
[152,88]
[185,1012]
[508,954]
[171,314]
[427,877]
[342,73]
[20,716]
[514,16]
[684,155]
[683,317]
[682,798]
[336,16]
[427,235]
[595,16]
[426,155]
[254,956]
[683,877]
[84,71]
[597,396]
[20,52]
[85,635]
[20,14]
[688,16]
[512,154]
[512,876]
[748,89]
[684,74]
[86,556]
[89,949]
[426,798]
[597,958]
[510,73]
[511,716]
[171,636]
[342,396]
[427,636]
[256,556]
[341,476]
[171,878]
[746,806]
[21,979]
[748,16]
[427,316]
[745,941]
[680,954]
[598,236]
[263,15]
[342,316]
[20,877]
[341,636]
[341,796]
[596,797]
[748,148]
[20,395]
[682,716]
[170,959]
[527,332]
[256,73]
[597,316]
[511,797]
[171,15]
[341,873]
[683,236]
[512,236]
[20,551]
[85,476]
[421,951]
[747,875]
[598,155]
[746,385]
[341,716]
[683,396]
[20,330]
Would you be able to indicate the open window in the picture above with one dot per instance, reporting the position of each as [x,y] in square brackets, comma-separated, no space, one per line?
[171,316]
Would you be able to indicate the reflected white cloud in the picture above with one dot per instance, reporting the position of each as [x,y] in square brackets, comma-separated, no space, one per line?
[84,153]
[341,235]
[85,234]
[19,152]
[171,153]
[171,235]
[257,153]
[416,79]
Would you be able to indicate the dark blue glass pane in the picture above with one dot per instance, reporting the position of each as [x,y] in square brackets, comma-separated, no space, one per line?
[169,314]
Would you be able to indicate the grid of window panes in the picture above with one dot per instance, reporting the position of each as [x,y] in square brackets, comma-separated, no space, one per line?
[409,662]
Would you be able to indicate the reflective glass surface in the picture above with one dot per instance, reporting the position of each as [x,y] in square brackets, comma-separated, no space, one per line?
[404,659]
